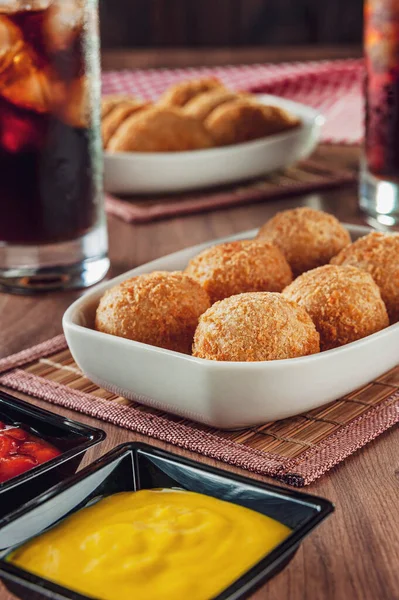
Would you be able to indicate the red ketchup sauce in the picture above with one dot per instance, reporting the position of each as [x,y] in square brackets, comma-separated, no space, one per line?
[20,451]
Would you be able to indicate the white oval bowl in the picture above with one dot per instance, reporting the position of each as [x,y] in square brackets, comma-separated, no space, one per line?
[227,395]
[165,172]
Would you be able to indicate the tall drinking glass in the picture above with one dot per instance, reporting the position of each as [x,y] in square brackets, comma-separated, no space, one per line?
[52,223]
[379,180]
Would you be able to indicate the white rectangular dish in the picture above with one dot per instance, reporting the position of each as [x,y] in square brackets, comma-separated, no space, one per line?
[165,172]
[226,395]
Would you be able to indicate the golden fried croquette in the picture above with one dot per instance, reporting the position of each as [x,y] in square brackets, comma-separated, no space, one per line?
[117,115]
[160,129]
[278,118]
[159,308]
[308,238]
[255,326]
[242,266]
[180,93]
[344,302]
[109,102]
[378,254]
[235,122]
[202,105]
[242,120]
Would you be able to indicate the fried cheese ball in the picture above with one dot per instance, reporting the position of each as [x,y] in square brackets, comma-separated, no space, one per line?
[180,93]
[160,308]
[378,254]
[253,327]
[160,129]
[237,267]
[243,120]
[344,302]
[307,237]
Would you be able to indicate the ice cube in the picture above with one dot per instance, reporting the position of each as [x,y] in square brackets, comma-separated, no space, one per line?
[21,80]
[13,6]
[30,91]
[64,20]
[10,42]
[70,102]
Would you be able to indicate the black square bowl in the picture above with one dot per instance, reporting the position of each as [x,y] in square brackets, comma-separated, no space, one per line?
[137,466]
[71,438]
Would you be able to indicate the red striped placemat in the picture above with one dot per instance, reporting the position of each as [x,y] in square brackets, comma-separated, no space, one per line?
[296,451]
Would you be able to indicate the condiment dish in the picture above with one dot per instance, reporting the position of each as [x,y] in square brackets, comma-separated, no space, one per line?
[71,438]
[135,466]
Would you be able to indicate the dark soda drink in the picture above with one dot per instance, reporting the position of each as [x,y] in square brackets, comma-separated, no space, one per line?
[381,41]
[50,153]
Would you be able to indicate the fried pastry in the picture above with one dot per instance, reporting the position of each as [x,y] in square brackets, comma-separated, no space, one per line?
[191,115]
[180,93]
[109,102]
[255,326]
[377,253]
[202,105]
[118,115]
[308,238]
[344,303]
[160,129]
[243,120]
[160,308]
[278,119]
[240,266]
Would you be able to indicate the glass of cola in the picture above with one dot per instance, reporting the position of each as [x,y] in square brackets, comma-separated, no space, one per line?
[379,176]
[52,222]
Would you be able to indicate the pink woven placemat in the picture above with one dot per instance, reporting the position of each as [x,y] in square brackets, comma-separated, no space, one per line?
[296,451]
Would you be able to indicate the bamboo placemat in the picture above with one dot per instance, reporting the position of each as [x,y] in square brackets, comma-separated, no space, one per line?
[296,450]
[305,177]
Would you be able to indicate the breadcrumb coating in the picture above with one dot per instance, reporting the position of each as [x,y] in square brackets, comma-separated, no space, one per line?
[255,326]
[344,302]
[378,254]
[242,266]
[158,308]
[307,237]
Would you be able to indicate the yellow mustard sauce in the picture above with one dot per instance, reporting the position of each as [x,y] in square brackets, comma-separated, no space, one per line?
[152,545]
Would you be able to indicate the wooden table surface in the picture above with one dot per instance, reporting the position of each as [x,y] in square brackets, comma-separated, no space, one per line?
[354,554]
